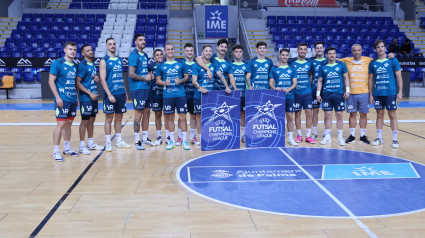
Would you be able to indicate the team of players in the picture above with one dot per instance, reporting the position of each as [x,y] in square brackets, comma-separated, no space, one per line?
[166,86]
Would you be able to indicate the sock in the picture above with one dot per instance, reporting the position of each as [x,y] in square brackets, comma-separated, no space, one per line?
[395,135]
[172,136]
[192,133]
[56,149]
[158,133]
[167,133]
[242,131]
[362,132]
[82,143]
[180,133]
[66,145]
[119,138]
[327,132]
[299,133]
[136,137]
[199,138]
[184,136]
[90,142]
[315,130]
[340,133]
[108,138]
[353,131]
[144,135]
[379,131]
[290,134]
[307,132]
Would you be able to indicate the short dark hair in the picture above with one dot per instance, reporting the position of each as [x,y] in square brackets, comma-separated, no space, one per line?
[222,41]
[260,43]
[319,43]
[236,47]
[110,38]
[378,42]
[205,46]
[188,45]
[329,49]
[283,49]
[302,44]
[157,51]
[70,43]
[84,46]
[138,35]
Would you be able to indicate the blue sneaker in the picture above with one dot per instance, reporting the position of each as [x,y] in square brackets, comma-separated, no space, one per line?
[186,145]
[58,157]
[71,153]
[139,145]
[170,145]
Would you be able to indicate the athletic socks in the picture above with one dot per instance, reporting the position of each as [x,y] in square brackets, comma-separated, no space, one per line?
[56,149]
[108,138]
[362,132]
[90,141]
[299,133]
[136,137]
[172,136]
[119,138]
[167,133]
[379,131]
[66,145]
[353,131]
[192,133]
[180,133]
[307,132]
[290,134]
[315,130]
[395,135]
[184,136]
[340,133]
[144,135]
[242,131]
[158,133]
[82,143]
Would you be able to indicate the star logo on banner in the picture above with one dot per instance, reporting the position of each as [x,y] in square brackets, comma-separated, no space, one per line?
[266,109]
[222,111]
[215,15]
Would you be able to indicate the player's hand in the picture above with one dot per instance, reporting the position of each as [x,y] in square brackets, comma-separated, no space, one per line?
[59,102]
[112,99]
[371,99]
[319,98]
[399,97]
[228,90]
[93,96]
[251,88]
[285,90]
[278,89]
[391,55]
[177,80]
[209,74]
[96,78]
[204,90]
[167,82]
[150,76]
[346,95]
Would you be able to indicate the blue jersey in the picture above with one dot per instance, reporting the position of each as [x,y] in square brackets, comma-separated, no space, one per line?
[203,79]
[238,69]
[332,74]
[384,79]
[170,70]
[283,76]
[65,82]
[86,71]
[140,61]
[259,69]
[114,77]
[224,65]
[156,89]
[188,86]
[316,64]
[303,68]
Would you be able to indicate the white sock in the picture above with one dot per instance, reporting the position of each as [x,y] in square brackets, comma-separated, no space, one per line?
[340,134]
[144,135]
[56,149]
[119,138]
[362,132]
[184,136]
[136,137]
[90,141]
[307,132]
[327,132]
[379,131]
[82,143]
[299,133]
[158,133]
[353,131]
[290,135]
[199,138]
[192,133]
[172,136]
[242,131]
[108,138]
[167,133]
[315,130]
[66,145]
[395,135]
[180,133]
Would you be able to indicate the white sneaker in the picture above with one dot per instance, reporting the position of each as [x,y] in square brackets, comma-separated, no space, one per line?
[170,145]
[84,150]
[186,145]
[341,141]
[292,142]
[148,142]
[394,144]
[158,140]
[377,141]
[94,146]
[326,140]
[122,144]
[179,141]
[167,140]
[71,153]
[58,157]
[139,145]
[243,139]
[108,146]
[195,141]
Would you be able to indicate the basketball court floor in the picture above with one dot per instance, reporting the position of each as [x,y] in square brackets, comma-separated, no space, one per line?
[308,191]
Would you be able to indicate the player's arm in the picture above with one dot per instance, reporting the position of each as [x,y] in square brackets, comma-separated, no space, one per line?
[81,87]
[233,81]
[201,63]
[185,78]
[294,84]
[399,84]
[197,85]
[248,80]
[102,74]
[347,85]
[52,85]
[371,89]
[224,81]
[319,89]
[132,74]
[272,85]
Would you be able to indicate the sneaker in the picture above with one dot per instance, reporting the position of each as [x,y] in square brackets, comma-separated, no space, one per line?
[364,140]
[315,136]
[122,144]
[243,139]
[179,141]
[310,140]
[71,153]
[186,145]
[167,140]
[148,142]
[84,150]
[326,140]
[299,139]
[195,141]
[350,139]
[394,144]
[341,141]
[139,145]
[94,146]
[170,145]
[292,142]
[58,157]
[108,147]
[158,140]
[377,141]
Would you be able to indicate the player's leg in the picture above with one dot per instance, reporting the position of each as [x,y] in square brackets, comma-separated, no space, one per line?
[380,113]
[91,145]
[181,106]
[72,108]
[289,109]
[145,127]
[197,112]
[170,106]
[243,119]
[57,134]
[352,108]
[297,110]
[82,130]
[391,106]
[315,117]
[327,107]
[308,109]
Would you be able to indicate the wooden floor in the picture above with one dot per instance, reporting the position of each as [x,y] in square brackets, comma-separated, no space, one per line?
[129,193]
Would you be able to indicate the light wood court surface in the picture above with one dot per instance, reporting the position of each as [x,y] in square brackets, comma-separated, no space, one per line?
[130,193]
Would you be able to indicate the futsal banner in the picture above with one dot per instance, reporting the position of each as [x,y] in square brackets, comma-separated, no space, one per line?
[265,118]
[307,3]
[220,120]
[216,21]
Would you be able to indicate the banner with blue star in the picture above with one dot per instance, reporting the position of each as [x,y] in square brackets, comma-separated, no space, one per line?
[216,21]
[220,120]
[265,118]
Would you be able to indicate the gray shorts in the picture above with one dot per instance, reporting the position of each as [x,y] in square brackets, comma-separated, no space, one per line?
[358,103]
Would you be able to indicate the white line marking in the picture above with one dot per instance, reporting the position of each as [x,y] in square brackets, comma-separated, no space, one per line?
[356,219]
[188,175]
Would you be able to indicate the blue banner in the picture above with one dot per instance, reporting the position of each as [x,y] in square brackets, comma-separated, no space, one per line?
[220,120]
[216,21]
[265,118]
[369,171]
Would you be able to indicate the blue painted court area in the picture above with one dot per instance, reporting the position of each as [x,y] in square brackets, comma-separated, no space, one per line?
[308,182]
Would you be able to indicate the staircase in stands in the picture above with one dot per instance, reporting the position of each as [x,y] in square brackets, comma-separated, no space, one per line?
[257,30]
[180,32]
[7,24]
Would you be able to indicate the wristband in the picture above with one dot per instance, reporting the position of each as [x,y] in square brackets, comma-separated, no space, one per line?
[317,93]
[347,89]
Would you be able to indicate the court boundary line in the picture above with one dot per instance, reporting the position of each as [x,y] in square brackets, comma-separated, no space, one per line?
[410,133]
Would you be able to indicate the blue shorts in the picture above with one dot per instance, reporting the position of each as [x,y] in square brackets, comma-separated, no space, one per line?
[316,104]
[358,103]
[89,108]
[385,102]
[197,106]
[303,101]
[333,101]
[117,107]
[289,105]
[141,99]
[156,104]
[242,104]
[68,111]
[177,103]
[190,104]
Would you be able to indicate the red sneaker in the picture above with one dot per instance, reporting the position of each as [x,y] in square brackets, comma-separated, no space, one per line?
[299,139]
[310,140]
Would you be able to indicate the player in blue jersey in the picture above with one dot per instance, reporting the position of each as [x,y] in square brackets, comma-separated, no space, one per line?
[62,83]
[87,84]
[284,78]
[203,83]
[140,88]
[302,94]
[156,97]
[115,94]
[386,87]
[169,74]
[319,48]
[258,69]
[237,78]
[333,76]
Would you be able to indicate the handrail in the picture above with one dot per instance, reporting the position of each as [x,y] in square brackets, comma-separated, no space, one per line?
[243,29]
[195,36]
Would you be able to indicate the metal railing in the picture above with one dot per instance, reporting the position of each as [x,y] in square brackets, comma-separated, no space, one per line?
[195,36]
[244,34]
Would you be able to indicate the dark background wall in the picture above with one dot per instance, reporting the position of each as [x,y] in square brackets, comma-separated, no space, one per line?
[4,7]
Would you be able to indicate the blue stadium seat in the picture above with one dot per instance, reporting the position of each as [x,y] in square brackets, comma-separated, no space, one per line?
[16,54]
[28,54]
[28,76]
[52,54]
[18,73]
[40,54]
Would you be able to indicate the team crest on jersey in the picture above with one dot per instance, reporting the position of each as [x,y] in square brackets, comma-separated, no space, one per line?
[255,65]
[386,64]
[337,68]
[243,67]
[223,66]
[177,67]
[266,65]
[289,71]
